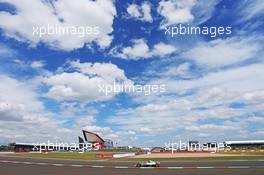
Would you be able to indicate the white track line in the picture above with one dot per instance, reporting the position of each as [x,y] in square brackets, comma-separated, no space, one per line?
[41,163]
[205,167]
[147,167]
[121,167]
[5,161]
[58,164]
[28,163]
[94,166]
[77,165]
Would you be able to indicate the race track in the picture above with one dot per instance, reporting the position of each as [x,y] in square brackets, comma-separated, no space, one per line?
[33,166]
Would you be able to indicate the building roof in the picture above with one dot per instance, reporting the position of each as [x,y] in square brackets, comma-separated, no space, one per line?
[245,142]
[92,137]
[25,144]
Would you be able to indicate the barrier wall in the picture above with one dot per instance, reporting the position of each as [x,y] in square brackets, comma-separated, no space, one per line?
[104,156]
[124,155]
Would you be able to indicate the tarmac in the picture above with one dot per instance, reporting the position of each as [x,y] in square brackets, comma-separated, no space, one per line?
[33,166]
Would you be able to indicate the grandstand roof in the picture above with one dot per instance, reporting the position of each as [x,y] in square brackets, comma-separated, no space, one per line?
[245,142]
[92,137]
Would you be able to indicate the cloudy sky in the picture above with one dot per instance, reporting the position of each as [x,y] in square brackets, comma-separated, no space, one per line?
[49,84]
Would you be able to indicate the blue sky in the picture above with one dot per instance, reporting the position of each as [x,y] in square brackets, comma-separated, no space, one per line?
[49,85]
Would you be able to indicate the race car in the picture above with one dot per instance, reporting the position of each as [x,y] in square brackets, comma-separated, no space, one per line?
[149,163]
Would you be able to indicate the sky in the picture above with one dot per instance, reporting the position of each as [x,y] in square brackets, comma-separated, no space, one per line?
[51,84]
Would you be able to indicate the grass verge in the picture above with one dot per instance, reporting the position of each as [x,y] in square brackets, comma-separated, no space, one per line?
[186,159]
[68,156]
[91,156]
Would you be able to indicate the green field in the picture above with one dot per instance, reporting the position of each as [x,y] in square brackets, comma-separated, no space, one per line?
[70,156]
[186,159]
[91,156]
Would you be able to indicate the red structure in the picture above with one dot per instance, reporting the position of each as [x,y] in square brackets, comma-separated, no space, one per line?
[91,137]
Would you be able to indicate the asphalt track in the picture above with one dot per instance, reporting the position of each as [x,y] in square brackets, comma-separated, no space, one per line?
[33,166]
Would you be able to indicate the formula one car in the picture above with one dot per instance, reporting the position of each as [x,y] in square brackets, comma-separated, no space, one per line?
[149,163]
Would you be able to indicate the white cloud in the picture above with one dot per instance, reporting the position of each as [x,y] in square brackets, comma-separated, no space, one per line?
[8,112]
[209,101]
[259,133]
[222,52]
[106,71]
[85,121]
[250,9]
[214,128]
[83,83]
[146,8]
[134,10]
[38,64]
[21,110]
[203,10]
[152,119]
[256,119]
[6,52]
[186,11]
[240,79]
[170,69]
[70,109]
[37,13]
[180,70]
[104,132]
[162,49]
[256,95]
[241,84]
[141,50]
[175,12]
[15,93]
[142,12]
[183,115]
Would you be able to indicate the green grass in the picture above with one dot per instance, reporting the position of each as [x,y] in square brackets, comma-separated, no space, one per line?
[180,159]
[91,156]
[70,156]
